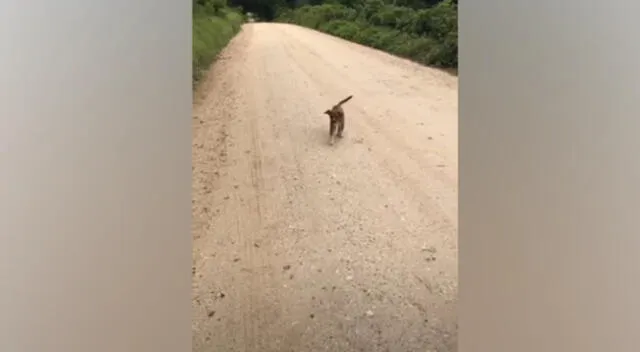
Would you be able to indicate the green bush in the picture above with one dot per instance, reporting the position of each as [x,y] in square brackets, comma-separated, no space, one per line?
[214,25]
[341,28]
[427,35]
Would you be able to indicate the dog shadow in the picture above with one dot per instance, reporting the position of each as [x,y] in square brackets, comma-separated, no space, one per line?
[321,135]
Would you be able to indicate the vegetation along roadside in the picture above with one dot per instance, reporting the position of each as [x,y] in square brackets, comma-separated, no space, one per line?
[214,25]
[424,31]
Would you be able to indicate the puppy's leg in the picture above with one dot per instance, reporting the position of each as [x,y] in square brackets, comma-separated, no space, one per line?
[332,131]
[340,128]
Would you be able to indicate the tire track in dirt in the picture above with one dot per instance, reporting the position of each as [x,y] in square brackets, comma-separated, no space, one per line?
[392,169]
[375,113]
[394,151]
[319,248]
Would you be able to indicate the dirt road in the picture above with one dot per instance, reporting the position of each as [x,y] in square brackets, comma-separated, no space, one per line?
[301,246]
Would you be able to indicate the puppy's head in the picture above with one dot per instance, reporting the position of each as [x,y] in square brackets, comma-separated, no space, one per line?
[329,112]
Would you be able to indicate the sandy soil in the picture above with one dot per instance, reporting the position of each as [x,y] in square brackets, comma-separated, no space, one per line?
[301,246]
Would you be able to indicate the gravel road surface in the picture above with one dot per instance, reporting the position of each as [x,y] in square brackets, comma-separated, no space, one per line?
[301,246]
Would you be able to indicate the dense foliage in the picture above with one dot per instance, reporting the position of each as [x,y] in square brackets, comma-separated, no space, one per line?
[417,30]
[425,31]
[214,24]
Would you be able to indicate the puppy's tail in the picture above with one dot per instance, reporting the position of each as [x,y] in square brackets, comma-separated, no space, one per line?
[344,100]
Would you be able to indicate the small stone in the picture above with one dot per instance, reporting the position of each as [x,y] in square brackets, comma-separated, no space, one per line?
[286,267]
[211,313]
[369,313]
[430,249]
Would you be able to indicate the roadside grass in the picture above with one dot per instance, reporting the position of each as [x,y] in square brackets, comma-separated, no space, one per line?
[428,36]
[212,31]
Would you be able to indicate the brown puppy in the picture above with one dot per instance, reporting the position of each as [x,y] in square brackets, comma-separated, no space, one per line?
[336,120]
